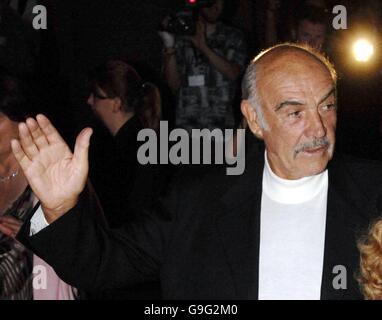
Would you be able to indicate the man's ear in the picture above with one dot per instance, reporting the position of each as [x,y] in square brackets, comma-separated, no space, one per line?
[117,105]
[249,112]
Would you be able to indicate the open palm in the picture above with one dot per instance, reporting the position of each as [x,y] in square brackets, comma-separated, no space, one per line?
[56,175]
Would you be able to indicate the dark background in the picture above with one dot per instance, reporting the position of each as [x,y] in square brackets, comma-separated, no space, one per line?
[83,33]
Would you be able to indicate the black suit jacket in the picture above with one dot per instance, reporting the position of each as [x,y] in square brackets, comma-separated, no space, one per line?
[123,185]
[202,239]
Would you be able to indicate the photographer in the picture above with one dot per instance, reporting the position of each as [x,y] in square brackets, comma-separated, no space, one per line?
[203,69]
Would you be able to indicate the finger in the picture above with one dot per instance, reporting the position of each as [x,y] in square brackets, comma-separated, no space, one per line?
[37,134]
[11,221]
[7,231]
[14,229]
[26,141]
[49,130]
[81,148]
[20,155]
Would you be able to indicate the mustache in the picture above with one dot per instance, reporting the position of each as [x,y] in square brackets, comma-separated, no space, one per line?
[316,143]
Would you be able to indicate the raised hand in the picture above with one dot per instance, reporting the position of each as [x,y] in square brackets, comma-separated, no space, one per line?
[199,39]
[55,174]
[168,38]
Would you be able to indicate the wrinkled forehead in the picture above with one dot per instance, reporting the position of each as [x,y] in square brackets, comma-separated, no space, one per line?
[291,59]
[292,67]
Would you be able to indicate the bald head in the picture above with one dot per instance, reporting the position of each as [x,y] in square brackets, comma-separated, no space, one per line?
[287,55]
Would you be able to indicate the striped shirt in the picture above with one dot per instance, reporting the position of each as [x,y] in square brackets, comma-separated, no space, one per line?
[16,262]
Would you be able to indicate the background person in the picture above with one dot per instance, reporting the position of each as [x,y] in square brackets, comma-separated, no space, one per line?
[125,104]
[16,202]
[203,71]
[308,23]
[370,277]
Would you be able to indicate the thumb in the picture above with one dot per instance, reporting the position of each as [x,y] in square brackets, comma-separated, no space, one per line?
[81,149]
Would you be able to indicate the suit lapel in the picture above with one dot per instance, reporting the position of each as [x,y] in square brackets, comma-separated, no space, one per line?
[344,222]
[238,226]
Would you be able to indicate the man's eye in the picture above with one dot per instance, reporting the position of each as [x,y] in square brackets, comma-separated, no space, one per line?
[329,106]
[295,114]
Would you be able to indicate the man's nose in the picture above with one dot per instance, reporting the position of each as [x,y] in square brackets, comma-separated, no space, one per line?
[316,126]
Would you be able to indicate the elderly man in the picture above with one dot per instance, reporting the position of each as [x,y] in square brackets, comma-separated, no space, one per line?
[285,229]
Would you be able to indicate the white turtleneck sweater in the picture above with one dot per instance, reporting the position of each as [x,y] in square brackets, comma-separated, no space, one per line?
[292,236]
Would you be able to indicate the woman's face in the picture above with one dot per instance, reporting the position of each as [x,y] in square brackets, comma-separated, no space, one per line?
[100,103]
[8,131]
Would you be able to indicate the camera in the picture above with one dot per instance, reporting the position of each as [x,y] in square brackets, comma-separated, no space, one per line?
[183,22]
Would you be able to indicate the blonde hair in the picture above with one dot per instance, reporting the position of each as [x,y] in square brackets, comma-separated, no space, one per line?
[370,275]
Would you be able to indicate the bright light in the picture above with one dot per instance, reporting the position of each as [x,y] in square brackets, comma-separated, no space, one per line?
[363,50]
